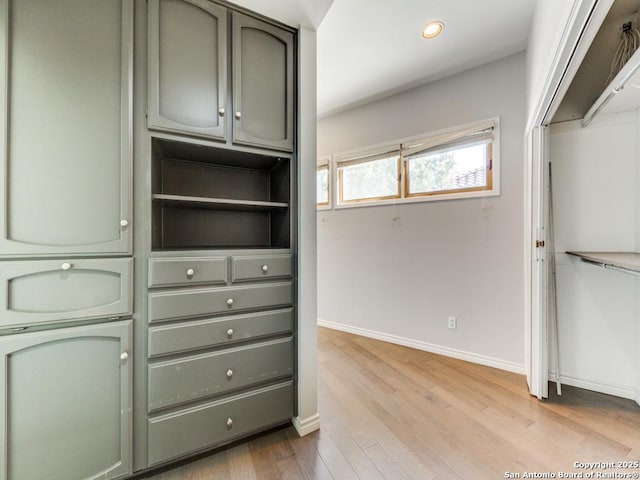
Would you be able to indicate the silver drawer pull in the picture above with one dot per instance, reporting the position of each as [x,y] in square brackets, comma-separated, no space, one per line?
[124,356]
[230,333]
[265,268]
[190,272]
[65,266]
[238,115]
[124,223]
[229,422]
[229,373]
[230,302]
[221,111]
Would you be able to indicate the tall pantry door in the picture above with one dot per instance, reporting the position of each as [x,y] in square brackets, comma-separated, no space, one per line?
[65,127]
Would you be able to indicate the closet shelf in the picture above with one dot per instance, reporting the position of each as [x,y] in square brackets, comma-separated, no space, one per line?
[216,203]
[627,261]
[615,97]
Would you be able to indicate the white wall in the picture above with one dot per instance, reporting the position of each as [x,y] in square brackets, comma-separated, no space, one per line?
[400,279]
[307,419]
[596,185]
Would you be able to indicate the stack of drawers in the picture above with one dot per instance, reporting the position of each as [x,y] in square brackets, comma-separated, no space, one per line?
[221,352]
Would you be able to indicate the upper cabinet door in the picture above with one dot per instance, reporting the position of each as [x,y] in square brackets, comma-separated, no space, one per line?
[188,67]
[262,84]
[65,127]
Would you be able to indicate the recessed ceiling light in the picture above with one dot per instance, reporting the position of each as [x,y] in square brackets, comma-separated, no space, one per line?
[432,29]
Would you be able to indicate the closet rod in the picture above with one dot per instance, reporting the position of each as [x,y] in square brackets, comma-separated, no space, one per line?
[612,267]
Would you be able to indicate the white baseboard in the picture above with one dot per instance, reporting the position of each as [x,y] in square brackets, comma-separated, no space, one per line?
[427,347]
[615,390]
[307,425]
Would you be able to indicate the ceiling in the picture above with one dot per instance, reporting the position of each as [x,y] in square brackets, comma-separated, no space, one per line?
[307,13]
[368,49]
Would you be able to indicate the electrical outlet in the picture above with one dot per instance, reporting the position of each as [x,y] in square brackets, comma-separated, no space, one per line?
[453,324]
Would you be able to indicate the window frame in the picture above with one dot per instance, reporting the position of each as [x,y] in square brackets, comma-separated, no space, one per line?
[423,142]
[349,162]
[488,166]
[322,163]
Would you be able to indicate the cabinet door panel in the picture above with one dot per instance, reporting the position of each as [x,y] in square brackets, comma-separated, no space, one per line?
[65,141]
[263,84]
[68,403]
[187,66]
[66,290]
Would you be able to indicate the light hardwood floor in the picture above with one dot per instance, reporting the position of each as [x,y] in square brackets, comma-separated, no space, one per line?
[390,412]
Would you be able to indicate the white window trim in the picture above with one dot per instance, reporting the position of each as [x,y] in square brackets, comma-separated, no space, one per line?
[407,145]
[326,161]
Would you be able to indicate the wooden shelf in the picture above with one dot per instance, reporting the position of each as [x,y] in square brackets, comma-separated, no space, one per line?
[226,203]
[623,260]
[210,197]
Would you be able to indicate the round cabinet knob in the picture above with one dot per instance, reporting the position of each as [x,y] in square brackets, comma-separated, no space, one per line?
[221,111]
[229,373]
[124,223]
[230,302]
[230,332]
[65,266]
[229,422]
[238,115]
[124,356]
[190,272]
[265,268]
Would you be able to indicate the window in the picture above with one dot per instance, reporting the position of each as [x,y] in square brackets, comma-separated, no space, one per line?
[370,178]
[461,165]
[451,164]
[322,185]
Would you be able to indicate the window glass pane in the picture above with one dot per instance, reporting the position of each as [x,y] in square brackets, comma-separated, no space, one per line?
[370,180]
[322,185]
[454,169]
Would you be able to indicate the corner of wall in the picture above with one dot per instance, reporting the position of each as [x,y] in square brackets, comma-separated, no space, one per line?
[305,426]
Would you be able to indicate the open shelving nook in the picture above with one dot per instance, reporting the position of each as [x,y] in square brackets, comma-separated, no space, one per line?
[206,197]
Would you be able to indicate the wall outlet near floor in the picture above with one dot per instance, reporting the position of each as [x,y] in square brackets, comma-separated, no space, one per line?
[452,323]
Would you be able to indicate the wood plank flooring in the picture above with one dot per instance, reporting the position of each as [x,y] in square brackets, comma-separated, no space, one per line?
[390,412]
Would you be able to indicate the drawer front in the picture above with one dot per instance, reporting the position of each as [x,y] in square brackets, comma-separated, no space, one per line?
[207,301]
[42,291]
[218,331]
[187,271]
[192,378]
[205,426]
[261,267]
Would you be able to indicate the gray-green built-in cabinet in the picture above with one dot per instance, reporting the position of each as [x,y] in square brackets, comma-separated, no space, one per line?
[148,174]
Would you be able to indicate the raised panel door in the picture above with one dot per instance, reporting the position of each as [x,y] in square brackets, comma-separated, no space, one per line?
[65,126]
[187,67]
[67,409]
[262,84]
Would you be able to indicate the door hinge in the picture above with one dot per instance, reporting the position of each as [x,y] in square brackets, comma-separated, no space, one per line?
[539,243]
